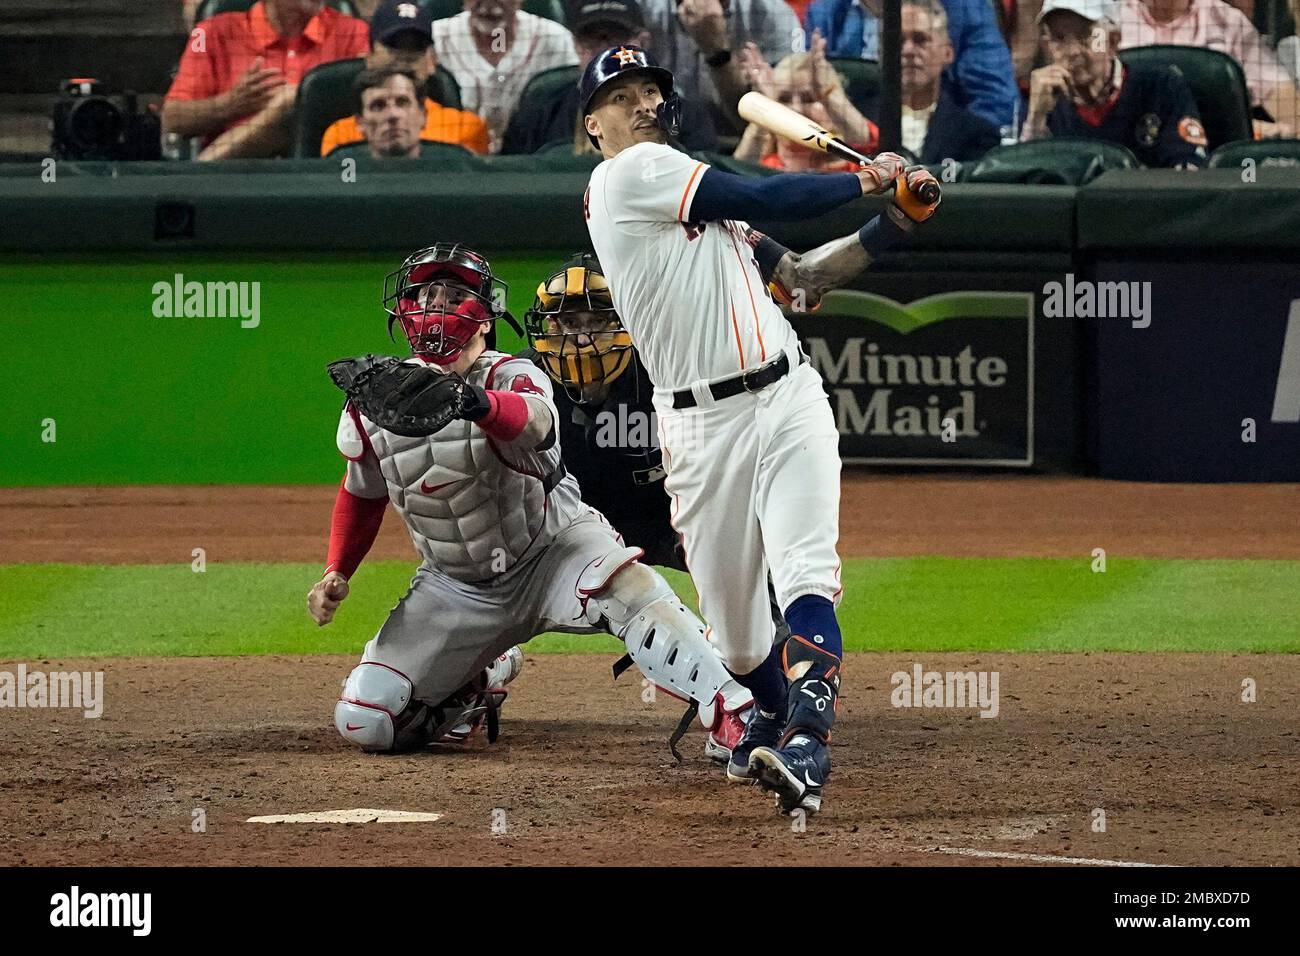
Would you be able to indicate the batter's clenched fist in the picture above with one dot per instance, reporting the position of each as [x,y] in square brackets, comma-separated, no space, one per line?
[906,198]
[880,174]
[325,597]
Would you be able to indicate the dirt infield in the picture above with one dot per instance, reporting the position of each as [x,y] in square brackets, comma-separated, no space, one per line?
[1184,771]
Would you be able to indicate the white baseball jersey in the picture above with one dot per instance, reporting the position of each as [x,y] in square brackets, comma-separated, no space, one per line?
[474,507]
[690,294]
[754,478]
[493,91]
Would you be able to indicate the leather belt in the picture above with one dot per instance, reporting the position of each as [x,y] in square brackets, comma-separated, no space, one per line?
[750,381]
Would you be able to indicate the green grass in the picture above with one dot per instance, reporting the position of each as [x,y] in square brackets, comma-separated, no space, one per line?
[903,604]
[194,401]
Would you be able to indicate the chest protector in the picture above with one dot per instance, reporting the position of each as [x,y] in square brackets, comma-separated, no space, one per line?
[475,507]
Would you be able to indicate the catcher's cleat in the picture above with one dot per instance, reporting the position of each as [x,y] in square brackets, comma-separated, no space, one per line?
[796,773]
[727,732]
[763,730]
[486,707]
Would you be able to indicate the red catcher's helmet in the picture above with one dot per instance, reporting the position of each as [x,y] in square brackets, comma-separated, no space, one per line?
[440,296]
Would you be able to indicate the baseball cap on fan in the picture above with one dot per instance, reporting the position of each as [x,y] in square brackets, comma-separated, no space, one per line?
[392,19]
[1091,10]
[624,15]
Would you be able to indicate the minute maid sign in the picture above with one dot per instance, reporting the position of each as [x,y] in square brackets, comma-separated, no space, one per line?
[945,380]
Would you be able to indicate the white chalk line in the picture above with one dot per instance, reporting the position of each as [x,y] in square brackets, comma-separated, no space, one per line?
[1028,857]
[349,816]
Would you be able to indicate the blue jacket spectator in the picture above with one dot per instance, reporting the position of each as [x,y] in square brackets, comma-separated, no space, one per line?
[982,79]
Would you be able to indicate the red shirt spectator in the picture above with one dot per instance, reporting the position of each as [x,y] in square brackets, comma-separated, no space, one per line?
[244,66]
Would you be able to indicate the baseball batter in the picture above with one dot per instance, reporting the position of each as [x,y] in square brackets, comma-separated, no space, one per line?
[606,417]
[461,439]
[749,442]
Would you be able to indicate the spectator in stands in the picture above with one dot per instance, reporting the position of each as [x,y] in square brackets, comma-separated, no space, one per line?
[1086,92]
[935,127]
[700,40]
[809,85]
[401,36]
[493,49]
[240,71]
[981,76]
[598,25]
[389,112]
[1219,26]
[1288,48]
[1018,23]
[800,8]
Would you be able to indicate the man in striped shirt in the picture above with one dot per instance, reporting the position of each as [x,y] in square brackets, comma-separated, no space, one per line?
[493,49]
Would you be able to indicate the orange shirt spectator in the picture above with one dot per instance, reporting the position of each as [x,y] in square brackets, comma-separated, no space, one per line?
[442,125]
[246,64]
[401,37]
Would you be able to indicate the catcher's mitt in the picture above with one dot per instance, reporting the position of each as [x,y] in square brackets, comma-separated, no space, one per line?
[407,398]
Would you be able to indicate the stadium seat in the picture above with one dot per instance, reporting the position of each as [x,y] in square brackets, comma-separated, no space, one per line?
[1265,152]
[1217,83]
[449,156]
[325,95]
[210,8]
[442,9]
[544,89]
[861,80]
[548,9]
[1055,162]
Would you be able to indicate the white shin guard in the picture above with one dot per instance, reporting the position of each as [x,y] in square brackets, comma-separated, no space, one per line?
[663,637]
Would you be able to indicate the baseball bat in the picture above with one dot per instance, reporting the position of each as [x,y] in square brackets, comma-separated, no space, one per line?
[784,122]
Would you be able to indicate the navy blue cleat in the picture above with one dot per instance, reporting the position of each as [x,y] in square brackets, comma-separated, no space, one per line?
[796,772]
[763,730]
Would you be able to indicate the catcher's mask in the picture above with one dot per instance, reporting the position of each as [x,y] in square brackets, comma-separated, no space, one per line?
[576,332]
[440,296]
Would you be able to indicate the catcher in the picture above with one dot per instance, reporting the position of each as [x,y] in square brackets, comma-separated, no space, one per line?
[462,440]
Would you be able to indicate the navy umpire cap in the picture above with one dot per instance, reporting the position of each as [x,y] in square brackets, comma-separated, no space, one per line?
[627,58]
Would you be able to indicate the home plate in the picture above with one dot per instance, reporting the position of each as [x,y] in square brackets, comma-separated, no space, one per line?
[349,816]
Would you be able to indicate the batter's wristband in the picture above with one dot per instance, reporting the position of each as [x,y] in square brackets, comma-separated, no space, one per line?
[880,234]
[767,253]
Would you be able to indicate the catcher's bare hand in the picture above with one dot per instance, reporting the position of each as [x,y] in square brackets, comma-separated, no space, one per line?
[878,175]
[325,597]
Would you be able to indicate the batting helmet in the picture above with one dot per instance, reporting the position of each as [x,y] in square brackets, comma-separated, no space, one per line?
[440,296]
[576,331]
[618,60]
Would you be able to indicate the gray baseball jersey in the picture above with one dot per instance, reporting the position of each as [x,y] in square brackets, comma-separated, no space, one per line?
[501,554]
